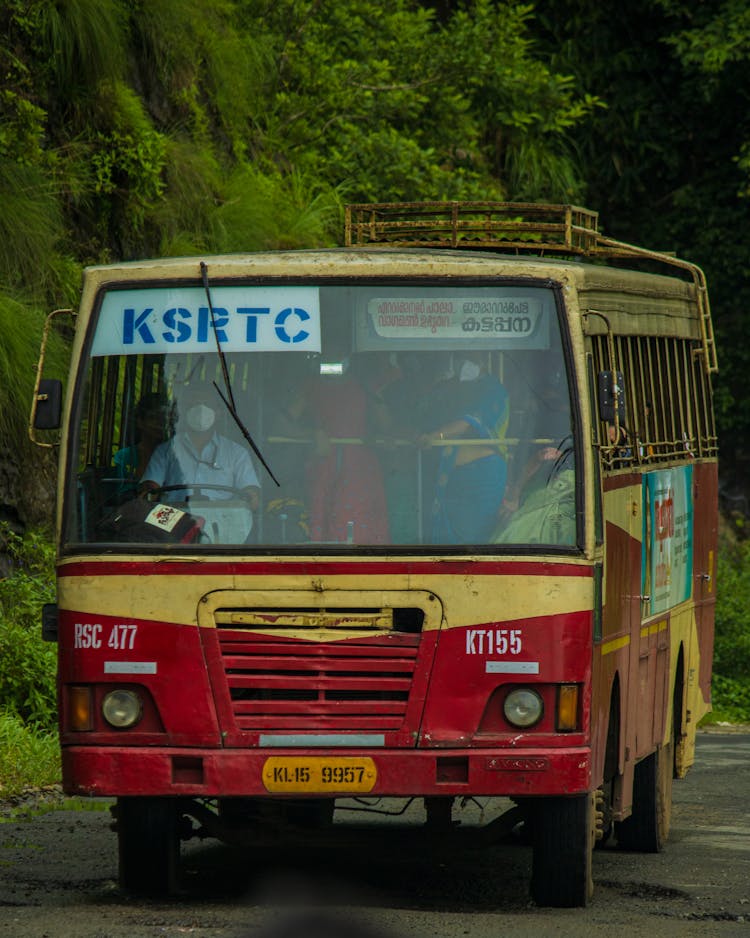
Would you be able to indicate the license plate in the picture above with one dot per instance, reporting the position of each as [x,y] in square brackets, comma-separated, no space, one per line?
[319,774]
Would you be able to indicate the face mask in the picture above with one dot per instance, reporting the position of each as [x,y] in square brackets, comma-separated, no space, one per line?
[469,371]
[200,418]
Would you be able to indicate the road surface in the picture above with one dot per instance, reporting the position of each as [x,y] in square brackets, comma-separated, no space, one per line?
[58,878]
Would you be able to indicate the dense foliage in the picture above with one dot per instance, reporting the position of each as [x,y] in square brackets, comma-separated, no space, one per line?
[27,664]
[667,160]
[162,127]
[131,128]
[138,128]
[731,682]
[29,749]
[732,652]
[159,127]
[29,756]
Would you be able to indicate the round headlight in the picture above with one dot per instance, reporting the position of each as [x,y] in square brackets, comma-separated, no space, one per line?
[122,708]
[523,707]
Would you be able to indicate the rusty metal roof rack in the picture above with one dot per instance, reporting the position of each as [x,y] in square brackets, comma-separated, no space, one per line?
[510,227]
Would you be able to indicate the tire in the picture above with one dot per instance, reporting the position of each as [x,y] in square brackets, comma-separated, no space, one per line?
[563,842]
[148,845]
[647,828]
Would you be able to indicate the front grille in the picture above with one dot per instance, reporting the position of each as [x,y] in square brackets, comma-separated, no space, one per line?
[359,681]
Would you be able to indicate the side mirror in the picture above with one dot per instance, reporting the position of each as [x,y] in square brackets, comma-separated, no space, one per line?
[48,410]
[46,403]
[611,396]
[49,622]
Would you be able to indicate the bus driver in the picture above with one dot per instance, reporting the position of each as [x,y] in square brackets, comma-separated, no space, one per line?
[199,456]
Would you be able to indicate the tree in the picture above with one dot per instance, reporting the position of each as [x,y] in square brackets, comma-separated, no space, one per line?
[392,103]
[666,161]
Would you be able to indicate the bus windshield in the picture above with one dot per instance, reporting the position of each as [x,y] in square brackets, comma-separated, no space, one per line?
[315,416]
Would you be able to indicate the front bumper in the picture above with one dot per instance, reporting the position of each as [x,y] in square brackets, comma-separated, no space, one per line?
[101,771]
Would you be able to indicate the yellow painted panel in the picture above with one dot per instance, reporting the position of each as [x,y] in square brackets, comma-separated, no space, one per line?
[654,628]
[615,644]
[465,599]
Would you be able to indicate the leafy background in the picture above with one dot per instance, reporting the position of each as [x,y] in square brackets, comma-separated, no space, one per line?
[135,128]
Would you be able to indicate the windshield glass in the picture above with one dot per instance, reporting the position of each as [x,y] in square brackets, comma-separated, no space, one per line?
[387,414]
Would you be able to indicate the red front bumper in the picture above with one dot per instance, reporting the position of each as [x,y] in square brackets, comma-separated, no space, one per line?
[105,771]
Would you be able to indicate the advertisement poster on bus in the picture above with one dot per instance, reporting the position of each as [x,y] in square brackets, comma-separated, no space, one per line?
[667,562]
[514,319]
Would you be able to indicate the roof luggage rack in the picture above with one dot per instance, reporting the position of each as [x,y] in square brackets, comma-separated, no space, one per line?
[507,226]
[513,228]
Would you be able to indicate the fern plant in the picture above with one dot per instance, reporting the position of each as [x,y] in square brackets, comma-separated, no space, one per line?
[27,664]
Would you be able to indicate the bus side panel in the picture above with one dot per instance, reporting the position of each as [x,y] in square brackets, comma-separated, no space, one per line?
[705,538]
[641,651]
[697,639]
[616,673]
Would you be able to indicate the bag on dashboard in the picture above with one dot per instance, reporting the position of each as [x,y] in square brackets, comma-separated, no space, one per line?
[142,522]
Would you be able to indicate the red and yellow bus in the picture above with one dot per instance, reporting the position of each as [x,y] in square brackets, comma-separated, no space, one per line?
[430,515]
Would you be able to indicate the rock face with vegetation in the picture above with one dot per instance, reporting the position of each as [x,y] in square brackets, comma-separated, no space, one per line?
[162,127]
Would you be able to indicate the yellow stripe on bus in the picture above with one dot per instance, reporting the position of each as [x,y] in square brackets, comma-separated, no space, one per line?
[653,629]
[153,597]
[615,644]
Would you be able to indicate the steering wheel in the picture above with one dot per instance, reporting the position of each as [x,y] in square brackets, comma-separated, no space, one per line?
[194,488]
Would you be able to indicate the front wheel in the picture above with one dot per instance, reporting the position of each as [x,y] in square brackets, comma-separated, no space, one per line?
[149,845]
[563,842]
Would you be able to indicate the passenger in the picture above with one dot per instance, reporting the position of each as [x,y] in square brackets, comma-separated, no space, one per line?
[392,382]
[153,425]
[646,435]
[547,420]
[540,506]
[198,457]
[347,496]
[471,478]
[621,453]
[286,512]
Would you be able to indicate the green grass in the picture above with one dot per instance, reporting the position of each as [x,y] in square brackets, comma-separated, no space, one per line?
[27,663]
[35,808]
[29,757]
[730,700]
[730,687]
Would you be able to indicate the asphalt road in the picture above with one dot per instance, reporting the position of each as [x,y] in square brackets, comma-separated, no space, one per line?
[58,878]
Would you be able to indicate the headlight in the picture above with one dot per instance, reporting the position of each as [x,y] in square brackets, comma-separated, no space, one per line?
[523,707]
[122,708]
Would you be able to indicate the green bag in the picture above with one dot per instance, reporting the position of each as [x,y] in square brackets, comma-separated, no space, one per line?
[546,516]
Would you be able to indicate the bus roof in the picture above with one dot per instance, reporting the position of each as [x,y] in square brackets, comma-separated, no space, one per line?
[477,240]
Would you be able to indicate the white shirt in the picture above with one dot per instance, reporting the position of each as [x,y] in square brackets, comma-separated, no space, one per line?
[220,462]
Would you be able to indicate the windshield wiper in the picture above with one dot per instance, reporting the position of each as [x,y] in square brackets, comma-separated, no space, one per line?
[228,398]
